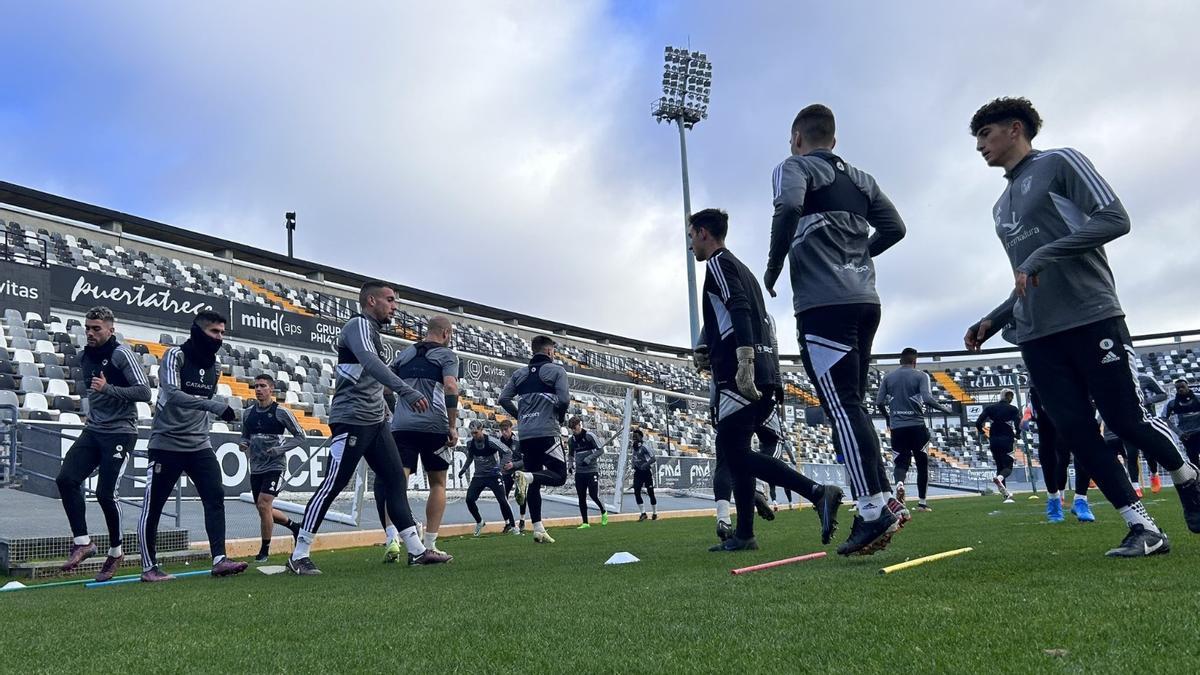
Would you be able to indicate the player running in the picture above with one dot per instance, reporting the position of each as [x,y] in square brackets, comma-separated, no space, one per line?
[113,382]
[740,340]
[1004,419]
[429,435]
[265,424]
[903,395]
[516,462]
[180,443]
[1053,219]
[358,420]
[825,210]
[538,397]
[585,450]
[487,455]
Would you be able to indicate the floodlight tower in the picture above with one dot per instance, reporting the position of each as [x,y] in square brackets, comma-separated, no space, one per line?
[687,78]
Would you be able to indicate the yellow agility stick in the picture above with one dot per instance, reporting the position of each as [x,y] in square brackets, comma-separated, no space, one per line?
[921,561]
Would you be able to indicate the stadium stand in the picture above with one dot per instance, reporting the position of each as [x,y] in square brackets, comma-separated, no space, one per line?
[40,355]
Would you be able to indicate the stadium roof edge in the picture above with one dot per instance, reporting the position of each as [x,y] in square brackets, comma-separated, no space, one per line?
[64,207]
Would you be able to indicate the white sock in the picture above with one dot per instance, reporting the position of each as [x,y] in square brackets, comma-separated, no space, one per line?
[303,544]
[653,509]
[723,510]
[115,552]
[643,508]
[393,534]
[898,486]
[1081,498]
[871,507]
[412,542]
[1053,495]
[538,527]
[430,539]
[1135,514]
[1137,486]
[528,477]
[82,541]
[1184,473]
[217,560]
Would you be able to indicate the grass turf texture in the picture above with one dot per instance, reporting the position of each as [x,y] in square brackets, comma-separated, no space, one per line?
[1031,597]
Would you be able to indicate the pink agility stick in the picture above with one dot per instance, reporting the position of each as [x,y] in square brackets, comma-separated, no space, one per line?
[779,563]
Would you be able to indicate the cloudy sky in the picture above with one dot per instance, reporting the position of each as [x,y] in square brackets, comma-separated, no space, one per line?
[504,152]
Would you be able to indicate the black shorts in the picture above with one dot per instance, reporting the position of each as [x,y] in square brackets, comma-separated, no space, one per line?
[269,483]
[1003,445]
[910,439]
[430,448]
[586,480]
[643,478]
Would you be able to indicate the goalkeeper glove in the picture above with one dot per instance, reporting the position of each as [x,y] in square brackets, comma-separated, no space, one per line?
[745,373]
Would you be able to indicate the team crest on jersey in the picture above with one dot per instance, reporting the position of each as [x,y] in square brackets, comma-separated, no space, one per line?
[157,467]
[1106,344]
[1026,184]
[352,441]
[841,167]
[201,372]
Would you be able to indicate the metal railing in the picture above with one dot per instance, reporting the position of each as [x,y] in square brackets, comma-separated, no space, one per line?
[17,469]
[9,417]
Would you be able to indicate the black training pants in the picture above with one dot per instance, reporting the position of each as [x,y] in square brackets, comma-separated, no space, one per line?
[476,488]
[643,478]
[92,450]
[350,443]
[836,350]
[910,444]
[1095,363]
[588,484]
[545,460]
[1002,455]
[736,424]
[164,471]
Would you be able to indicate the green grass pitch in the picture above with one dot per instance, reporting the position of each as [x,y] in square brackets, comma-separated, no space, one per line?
[1031,597]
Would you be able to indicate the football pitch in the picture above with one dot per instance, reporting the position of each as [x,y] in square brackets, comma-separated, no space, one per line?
[1031,597]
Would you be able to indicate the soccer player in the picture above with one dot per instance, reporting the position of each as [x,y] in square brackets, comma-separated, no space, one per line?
[740,340]
[825,210]
[643,473]
[1185,408]
[516,462]
[115,382]
[488,455]
[358,421]
[538,397]
[180,443]
[1053,219]
[586,450]
[265,424]
[1004,419]
[903,395]
[431,368]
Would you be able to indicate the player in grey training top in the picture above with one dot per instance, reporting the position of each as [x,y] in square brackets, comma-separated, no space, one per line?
[180,443]
[487,455]
[586,450]
[357,421]
[538,397]
[113,383]
[1053,219]
[903,395]
[428,435]
[269,431]
[643,472]
[825,211]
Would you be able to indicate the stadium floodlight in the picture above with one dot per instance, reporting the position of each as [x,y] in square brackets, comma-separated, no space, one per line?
[686,85]
[289,222]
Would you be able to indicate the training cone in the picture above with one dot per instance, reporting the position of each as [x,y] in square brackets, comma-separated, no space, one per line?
[1033,497]
[621,558]
[13,586]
